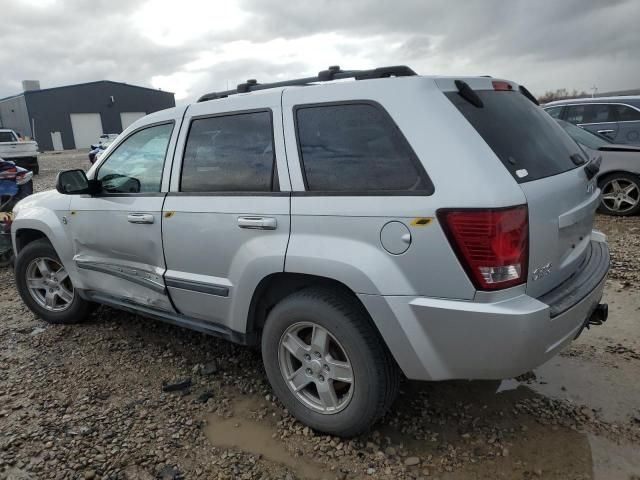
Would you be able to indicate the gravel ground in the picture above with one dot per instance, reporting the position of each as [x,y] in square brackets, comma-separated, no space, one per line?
[86,401]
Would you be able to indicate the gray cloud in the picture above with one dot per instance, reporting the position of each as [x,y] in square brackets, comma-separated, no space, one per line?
[544,44]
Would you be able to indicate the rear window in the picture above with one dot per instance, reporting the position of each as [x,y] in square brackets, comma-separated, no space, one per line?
[526,140]
[7,137]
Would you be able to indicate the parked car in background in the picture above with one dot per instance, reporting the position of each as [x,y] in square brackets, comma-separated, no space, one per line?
[106,138]
[23,153]
[619,176]
[437,226]
[616,117]
[97,150]
[15,184]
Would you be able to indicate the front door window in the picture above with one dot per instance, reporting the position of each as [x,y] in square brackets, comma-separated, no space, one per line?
[136,164]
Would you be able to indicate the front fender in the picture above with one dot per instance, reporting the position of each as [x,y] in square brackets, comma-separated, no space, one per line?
[50,223]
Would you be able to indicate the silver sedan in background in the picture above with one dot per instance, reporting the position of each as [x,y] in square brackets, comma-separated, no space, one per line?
[619,176]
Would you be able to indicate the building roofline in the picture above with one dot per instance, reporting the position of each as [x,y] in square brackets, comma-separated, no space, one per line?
[12,96]
[31,92]
[95,83]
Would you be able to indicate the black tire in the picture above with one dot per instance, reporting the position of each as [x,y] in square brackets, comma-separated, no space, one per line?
[77,311]
[628,179]
[375,373]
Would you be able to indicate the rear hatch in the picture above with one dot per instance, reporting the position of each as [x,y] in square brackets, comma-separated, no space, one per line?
[549,167]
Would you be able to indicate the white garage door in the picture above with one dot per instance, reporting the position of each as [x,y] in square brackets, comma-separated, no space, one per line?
[127,118]
[87,128]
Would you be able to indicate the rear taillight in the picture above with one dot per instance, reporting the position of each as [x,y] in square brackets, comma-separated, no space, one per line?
[23,177]
[492,245]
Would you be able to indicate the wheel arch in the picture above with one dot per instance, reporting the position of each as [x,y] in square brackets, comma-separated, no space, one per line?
[610,173]
[25,236]
[276,286]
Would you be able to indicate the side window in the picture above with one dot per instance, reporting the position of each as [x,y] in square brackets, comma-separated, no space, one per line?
[554,111]
[596,113]
[136,164]
[627,114]
[231,153]
[356,148]
[575,114]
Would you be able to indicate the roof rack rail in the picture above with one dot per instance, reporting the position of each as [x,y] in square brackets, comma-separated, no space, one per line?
[332,73]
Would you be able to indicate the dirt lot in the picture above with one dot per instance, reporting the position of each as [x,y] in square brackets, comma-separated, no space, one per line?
[86,401]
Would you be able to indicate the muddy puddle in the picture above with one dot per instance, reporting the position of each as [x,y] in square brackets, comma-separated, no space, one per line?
[253,436]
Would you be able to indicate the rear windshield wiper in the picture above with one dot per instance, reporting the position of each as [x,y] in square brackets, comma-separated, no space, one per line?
[468,94]
[578,159]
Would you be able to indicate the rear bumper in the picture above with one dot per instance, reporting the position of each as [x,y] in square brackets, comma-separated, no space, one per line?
[438,339]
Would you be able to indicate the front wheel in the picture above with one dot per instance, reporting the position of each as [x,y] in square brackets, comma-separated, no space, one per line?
[45,286]
[620,194]
[327,363]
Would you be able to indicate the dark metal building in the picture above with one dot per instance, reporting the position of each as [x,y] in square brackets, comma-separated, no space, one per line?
[75,116]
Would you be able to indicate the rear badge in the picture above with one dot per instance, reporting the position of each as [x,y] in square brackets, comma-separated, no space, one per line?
[541,272]
[522,173]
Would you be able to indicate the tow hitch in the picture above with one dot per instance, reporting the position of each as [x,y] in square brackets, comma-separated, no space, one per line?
[598,317]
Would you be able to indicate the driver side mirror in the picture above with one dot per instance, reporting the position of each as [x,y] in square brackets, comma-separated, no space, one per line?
[75,182]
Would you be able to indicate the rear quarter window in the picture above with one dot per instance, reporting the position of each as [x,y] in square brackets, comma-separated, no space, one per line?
[356,147]
[527,140]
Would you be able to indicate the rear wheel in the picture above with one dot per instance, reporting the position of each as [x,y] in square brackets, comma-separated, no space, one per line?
[45,286]
[620,194]
[327,363]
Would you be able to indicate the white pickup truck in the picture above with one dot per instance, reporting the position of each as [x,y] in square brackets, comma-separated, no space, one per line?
[22,152]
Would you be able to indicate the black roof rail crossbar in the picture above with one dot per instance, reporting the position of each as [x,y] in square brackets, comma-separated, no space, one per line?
[332,73]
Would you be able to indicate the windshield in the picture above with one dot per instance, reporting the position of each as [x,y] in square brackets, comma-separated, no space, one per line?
[524,137]
[584,137]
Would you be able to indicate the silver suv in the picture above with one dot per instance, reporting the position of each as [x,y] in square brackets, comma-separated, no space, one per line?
[439,227]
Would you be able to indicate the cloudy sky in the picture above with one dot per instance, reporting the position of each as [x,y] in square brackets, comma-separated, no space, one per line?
[192,47]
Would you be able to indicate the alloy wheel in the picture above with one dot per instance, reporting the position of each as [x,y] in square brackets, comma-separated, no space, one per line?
[316,367]
[49,284]
[620,195]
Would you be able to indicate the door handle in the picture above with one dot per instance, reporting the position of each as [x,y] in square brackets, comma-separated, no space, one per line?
[605,131]
[258,223]
[140,218]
